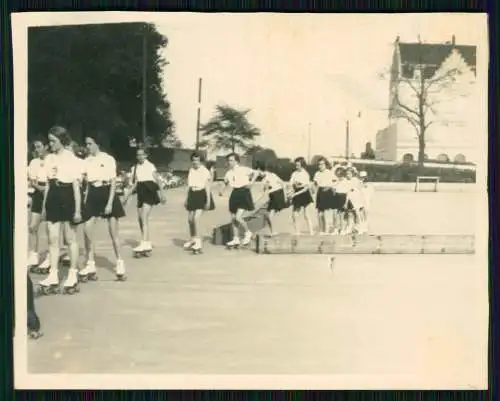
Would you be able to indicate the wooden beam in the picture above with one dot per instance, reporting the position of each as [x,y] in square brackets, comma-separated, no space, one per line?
[366,244]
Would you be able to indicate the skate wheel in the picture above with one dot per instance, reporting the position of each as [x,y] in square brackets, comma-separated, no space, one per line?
[35,335]
[82,279]
[121,278]
[137,255]
[94,278]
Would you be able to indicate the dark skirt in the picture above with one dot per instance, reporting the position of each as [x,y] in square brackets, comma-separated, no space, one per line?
[241,198]
[33,321]
[197,200]
[339,201]
[302,200]
[36,201]
[277,201]
[147,193]
[324,199]
[60,203]
[97,199]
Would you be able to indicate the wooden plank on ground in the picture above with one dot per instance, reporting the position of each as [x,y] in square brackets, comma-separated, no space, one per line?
[365,244]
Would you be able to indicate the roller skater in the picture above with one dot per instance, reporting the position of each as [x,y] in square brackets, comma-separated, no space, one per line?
[37,176]
[241,179]
[62,208]
[354,202]
[367,192]
[342,187]
[198,199]
[275,189]
[324,180]
[100,201]
[147,184]
[301,197]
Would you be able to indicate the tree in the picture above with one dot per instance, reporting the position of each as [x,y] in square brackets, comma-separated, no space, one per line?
[426,88]
[229,130]
[262,155]
[90,78]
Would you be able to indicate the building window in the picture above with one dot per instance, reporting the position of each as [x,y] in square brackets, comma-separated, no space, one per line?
[407,158]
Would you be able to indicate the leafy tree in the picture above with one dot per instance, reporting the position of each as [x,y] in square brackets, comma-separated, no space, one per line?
[229,130]
[262,155]
[90,78]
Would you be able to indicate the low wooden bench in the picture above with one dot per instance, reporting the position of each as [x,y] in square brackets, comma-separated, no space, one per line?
[426,178]
[365,244]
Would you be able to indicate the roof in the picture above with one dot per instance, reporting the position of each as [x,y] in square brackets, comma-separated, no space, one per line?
[434,54]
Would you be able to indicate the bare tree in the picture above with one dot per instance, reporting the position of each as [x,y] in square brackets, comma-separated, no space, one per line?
[416,92]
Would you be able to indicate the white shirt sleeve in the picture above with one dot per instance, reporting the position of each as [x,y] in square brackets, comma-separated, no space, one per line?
[226,177]
[111,170]
[32,173]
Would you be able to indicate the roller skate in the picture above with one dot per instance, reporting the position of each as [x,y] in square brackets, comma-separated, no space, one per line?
[247,239]
[143,250]
[34,334]
[42,268]
[50,285]
[70,286]
[234,244]
[196,248]
[32,260]
[88,273]
[120,270]
[188,245]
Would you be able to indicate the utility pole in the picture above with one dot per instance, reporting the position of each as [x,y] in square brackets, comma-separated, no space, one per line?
[347,140]
[144,87]
[309,143]
[198,115]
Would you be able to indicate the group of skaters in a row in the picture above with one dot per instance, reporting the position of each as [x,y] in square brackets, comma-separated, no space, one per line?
[71,193]
[340,193]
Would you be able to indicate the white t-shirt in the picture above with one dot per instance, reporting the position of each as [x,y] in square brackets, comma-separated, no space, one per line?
[300,178]
[101,167]
[272,182]
[143,172]
[343,186]
[324,178]
[198,177]
[64,167]
[37,170]
[238,177]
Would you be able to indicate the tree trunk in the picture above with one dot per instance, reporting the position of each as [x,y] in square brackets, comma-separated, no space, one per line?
[421,147]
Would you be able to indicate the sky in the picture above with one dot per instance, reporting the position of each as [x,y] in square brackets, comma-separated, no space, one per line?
[293,70]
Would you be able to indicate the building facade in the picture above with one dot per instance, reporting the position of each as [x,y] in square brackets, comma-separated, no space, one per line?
[437,81]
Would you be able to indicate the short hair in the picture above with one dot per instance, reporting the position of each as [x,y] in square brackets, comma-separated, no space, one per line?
[60,133]
[301,160]
[196,155]
[143,148]
[235,155]
[322,159]
[98,137]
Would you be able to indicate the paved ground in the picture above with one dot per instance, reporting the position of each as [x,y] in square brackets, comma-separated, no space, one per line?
[241,313]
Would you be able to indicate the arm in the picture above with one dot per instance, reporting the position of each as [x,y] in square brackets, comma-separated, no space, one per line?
[157,179]
[208,189]
[78,199]
[112,189]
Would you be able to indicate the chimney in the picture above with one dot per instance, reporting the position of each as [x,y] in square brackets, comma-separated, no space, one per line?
[453,40]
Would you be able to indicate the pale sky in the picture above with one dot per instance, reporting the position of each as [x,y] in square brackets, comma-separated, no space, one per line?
[292,69]
[289,69]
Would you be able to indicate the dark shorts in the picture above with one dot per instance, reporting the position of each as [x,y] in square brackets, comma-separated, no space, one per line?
[97,199]
[147,193]
[36,201]
[339,201]
[324,199]
[60,203]
[197,200]
[302,200]
[241,198]
[277,201]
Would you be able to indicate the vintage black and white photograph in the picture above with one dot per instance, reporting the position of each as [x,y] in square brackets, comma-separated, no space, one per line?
[251,200]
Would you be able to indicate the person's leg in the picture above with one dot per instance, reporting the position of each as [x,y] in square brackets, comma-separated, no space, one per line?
[196,229]
[268,220]
[70,231]
[53,233]
[88,237]
[321,221]
[114,234]
[33,239]
[33,320]
[235,231]
[308,221]
[146,210]
[295,220]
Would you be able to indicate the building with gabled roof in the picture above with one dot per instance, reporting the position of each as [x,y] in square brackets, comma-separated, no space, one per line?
[451,101]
